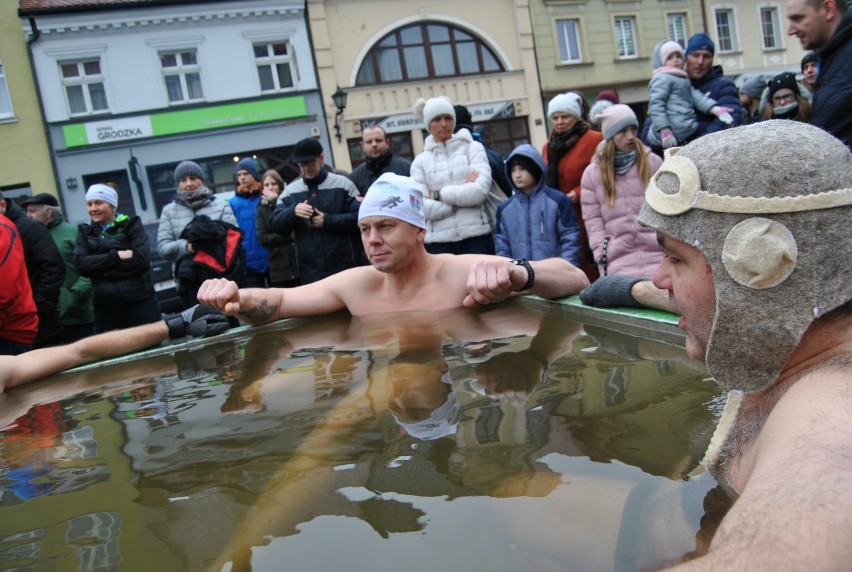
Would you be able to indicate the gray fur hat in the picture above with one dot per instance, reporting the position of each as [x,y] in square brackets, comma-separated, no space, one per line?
[768,205]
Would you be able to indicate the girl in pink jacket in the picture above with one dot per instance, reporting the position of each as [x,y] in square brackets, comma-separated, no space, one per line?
[613,190]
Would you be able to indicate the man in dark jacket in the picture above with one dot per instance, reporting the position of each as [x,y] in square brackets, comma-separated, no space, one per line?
[826,26]
[380,159]
[711,81]
[45,269]
[75,298]
[322,209]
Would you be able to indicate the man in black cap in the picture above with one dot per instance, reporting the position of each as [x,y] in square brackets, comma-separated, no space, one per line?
[75,296]
[45,269]
[321,208]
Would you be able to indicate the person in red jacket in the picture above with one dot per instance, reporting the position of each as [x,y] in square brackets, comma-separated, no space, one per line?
[18,314]
[567,153]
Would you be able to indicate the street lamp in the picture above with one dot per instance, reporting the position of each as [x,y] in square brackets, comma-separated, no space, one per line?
[339,98]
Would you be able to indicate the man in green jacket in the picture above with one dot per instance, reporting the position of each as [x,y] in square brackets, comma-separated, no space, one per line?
[75,298]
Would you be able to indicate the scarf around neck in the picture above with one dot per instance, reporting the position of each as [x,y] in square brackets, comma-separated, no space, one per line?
[623,161]
[195,199]
[789,111]
[249,190]
[558,146]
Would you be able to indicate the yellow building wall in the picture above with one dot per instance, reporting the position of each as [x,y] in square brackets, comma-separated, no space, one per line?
[24,154]
[343,31]
[599,67]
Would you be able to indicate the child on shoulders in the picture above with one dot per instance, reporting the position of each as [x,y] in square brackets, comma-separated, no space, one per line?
[537,221]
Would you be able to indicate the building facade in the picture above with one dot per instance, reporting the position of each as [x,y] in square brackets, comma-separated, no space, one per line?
[592,45]
[589,46]
[751,37]
[385,54]
[131,88]
[25,160]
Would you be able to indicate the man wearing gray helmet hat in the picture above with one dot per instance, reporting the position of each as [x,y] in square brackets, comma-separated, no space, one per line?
[757,262]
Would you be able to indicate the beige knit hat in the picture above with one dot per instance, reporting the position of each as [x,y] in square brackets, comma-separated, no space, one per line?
[769,205]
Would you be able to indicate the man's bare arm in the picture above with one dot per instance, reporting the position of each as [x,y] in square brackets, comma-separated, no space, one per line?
[650,296]
[36,364]
[259,306]
[494,278]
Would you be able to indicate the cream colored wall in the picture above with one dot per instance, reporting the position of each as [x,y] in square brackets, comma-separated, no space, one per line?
[750,57]
[344,31]
[599,68]
[24,156]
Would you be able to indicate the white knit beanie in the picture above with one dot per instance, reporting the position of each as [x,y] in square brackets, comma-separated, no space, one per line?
[396,197]
[101,192]
[567,103]
[427,110]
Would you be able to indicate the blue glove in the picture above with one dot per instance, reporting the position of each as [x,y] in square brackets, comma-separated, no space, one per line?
[197,321]
[611,292]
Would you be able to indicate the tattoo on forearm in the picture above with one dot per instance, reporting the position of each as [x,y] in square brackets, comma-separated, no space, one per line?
[262,312]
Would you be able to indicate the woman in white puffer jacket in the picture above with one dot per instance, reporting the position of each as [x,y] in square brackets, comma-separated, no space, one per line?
[455,176]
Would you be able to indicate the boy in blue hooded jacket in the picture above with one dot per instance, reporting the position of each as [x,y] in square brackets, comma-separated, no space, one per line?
[537,221]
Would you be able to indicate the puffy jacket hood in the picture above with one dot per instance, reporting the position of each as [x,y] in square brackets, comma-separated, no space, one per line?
[530,152]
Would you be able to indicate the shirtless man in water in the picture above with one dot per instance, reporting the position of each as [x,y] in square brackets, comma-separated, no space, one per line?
[764,288]
[403,276]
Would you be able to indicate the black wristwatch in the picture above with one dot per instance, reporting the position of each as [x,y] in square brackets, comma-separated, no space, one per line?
[530,273]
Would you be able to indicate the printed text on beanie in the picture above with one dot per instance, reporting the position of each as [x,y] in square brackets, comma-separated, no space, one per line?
[396,197]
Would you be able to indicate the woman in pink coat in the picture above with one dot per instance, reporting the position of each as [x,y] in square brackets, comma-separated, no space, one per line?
[613,190]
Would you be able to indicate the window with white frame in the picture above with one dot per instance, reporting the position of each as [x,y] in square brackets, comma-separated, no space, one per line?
[5,100]
[182,76]
[568,35]
[769,27]
[625,36]
[274,61]
[676,24]
[726,31]
[84,87]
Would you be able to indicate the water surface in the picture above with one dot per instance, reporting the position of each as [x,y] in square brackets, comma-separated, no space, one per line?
[500,440]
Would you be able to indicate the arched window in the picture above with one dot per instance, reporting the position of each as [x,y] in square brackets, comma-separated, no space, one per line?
[424,51]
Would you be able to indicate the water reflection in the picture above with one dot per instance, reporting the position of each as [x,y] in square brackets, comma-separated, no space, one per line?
[548,435]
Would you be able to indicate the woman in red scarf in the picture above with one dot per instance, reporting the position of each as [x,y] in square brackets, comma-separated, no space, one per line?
[568,152]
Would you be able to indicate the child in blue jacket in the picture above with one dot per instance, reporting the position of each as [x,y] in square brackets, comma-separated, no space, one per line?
[537,222]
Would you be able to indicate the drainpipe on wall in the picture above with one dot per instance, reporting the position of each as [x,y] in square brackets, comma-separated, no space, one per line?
[30,41]
[704,15]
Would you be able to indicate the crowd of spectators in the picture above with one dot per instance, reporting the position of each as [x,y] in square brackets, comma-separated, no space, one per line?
[577,199]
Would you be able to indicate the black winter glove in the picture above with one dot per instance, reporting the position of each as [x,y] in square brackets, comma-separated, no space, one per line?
[611,292]
[197,321]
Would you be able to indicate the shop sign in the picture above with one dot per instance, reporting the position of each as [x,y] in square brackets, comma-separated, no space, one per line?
[184,121]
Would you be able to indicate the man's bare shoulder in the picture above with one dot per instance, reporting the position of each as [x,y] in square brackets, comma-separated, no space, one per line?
[792,512]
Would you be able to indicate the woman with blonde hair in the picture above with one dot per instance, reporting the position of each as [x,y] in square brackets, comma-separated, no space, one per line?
[613,190]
